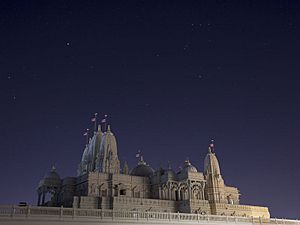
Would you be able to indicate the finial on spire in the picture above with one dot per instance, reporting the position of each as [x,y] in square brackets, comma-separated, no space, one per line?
[53,169]
[108,128]
[140,157]
[211,146]
[99,128]
[187,161]
[141,161]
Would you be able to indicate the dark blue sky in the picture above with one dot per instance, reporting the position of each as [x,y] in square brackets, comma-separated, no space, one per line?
[171,76]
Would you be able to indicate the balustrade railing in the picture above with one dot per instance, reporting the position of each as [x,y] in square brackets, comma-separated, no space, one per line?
[105,214]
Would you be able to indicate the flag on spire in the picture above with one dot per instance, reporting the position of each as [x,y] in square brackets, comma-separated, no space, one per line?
[104,120]
[94,118]
[86,133]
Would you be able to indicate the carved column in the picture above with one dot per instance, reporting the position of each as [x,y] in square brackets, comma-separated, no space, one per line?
[159,192]
[43,198]
[39,198]
[202,191]
[189,192]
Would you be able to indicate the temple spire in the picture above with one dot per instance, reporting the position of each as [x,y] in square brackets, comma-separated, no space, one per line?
[99,128]
[108,128]
[125,168]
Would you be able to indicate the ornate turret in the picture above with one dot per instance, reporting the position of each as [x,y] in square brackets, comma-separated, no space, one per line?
[215,182]
[142,169]
[125,168]
[188,167]
[50,184]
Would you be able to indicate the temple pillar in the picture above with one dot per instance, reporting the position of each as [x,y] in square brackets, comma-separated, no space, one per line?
[39,199]
[189,193]
[159,192]
[43,198]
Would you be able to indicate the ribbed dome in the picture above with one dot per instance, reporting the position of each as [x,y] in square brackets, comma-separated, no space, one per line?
[142,169]
[51,179]
[188,167]
[211,164]
[52,175]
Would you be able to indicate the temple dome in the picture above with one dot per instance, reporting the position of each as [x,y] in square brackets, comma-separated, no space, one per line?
[142,169]
[188,167]
[51,178]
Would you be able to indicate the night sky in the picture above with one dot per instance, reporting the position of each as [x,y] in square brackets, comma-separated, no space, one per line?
[171,76]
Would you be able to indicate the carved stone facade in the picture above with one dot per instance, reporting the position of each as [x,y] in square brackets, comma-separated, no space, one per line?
[101,185]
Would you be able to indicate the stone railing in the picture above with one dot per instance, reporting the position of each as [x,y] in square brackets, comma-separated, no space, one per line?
[10,211]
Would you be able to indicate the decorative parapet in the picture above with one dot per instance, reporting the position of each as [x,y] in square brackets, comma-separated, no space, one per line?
[44,213]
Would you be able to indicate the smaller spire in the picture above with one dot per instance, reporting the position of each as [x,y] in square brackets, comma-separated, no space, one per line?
[99,128]
[125,168]
[108,128]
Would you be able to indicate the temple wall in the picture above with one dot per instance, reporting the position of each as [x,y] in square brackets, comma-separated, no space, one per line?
[240,210]
[86,202]
[131,204]
[200,206]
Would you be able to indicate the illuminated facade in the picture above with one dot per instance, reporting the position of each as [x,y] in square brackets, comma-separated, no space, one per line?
[101,184]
